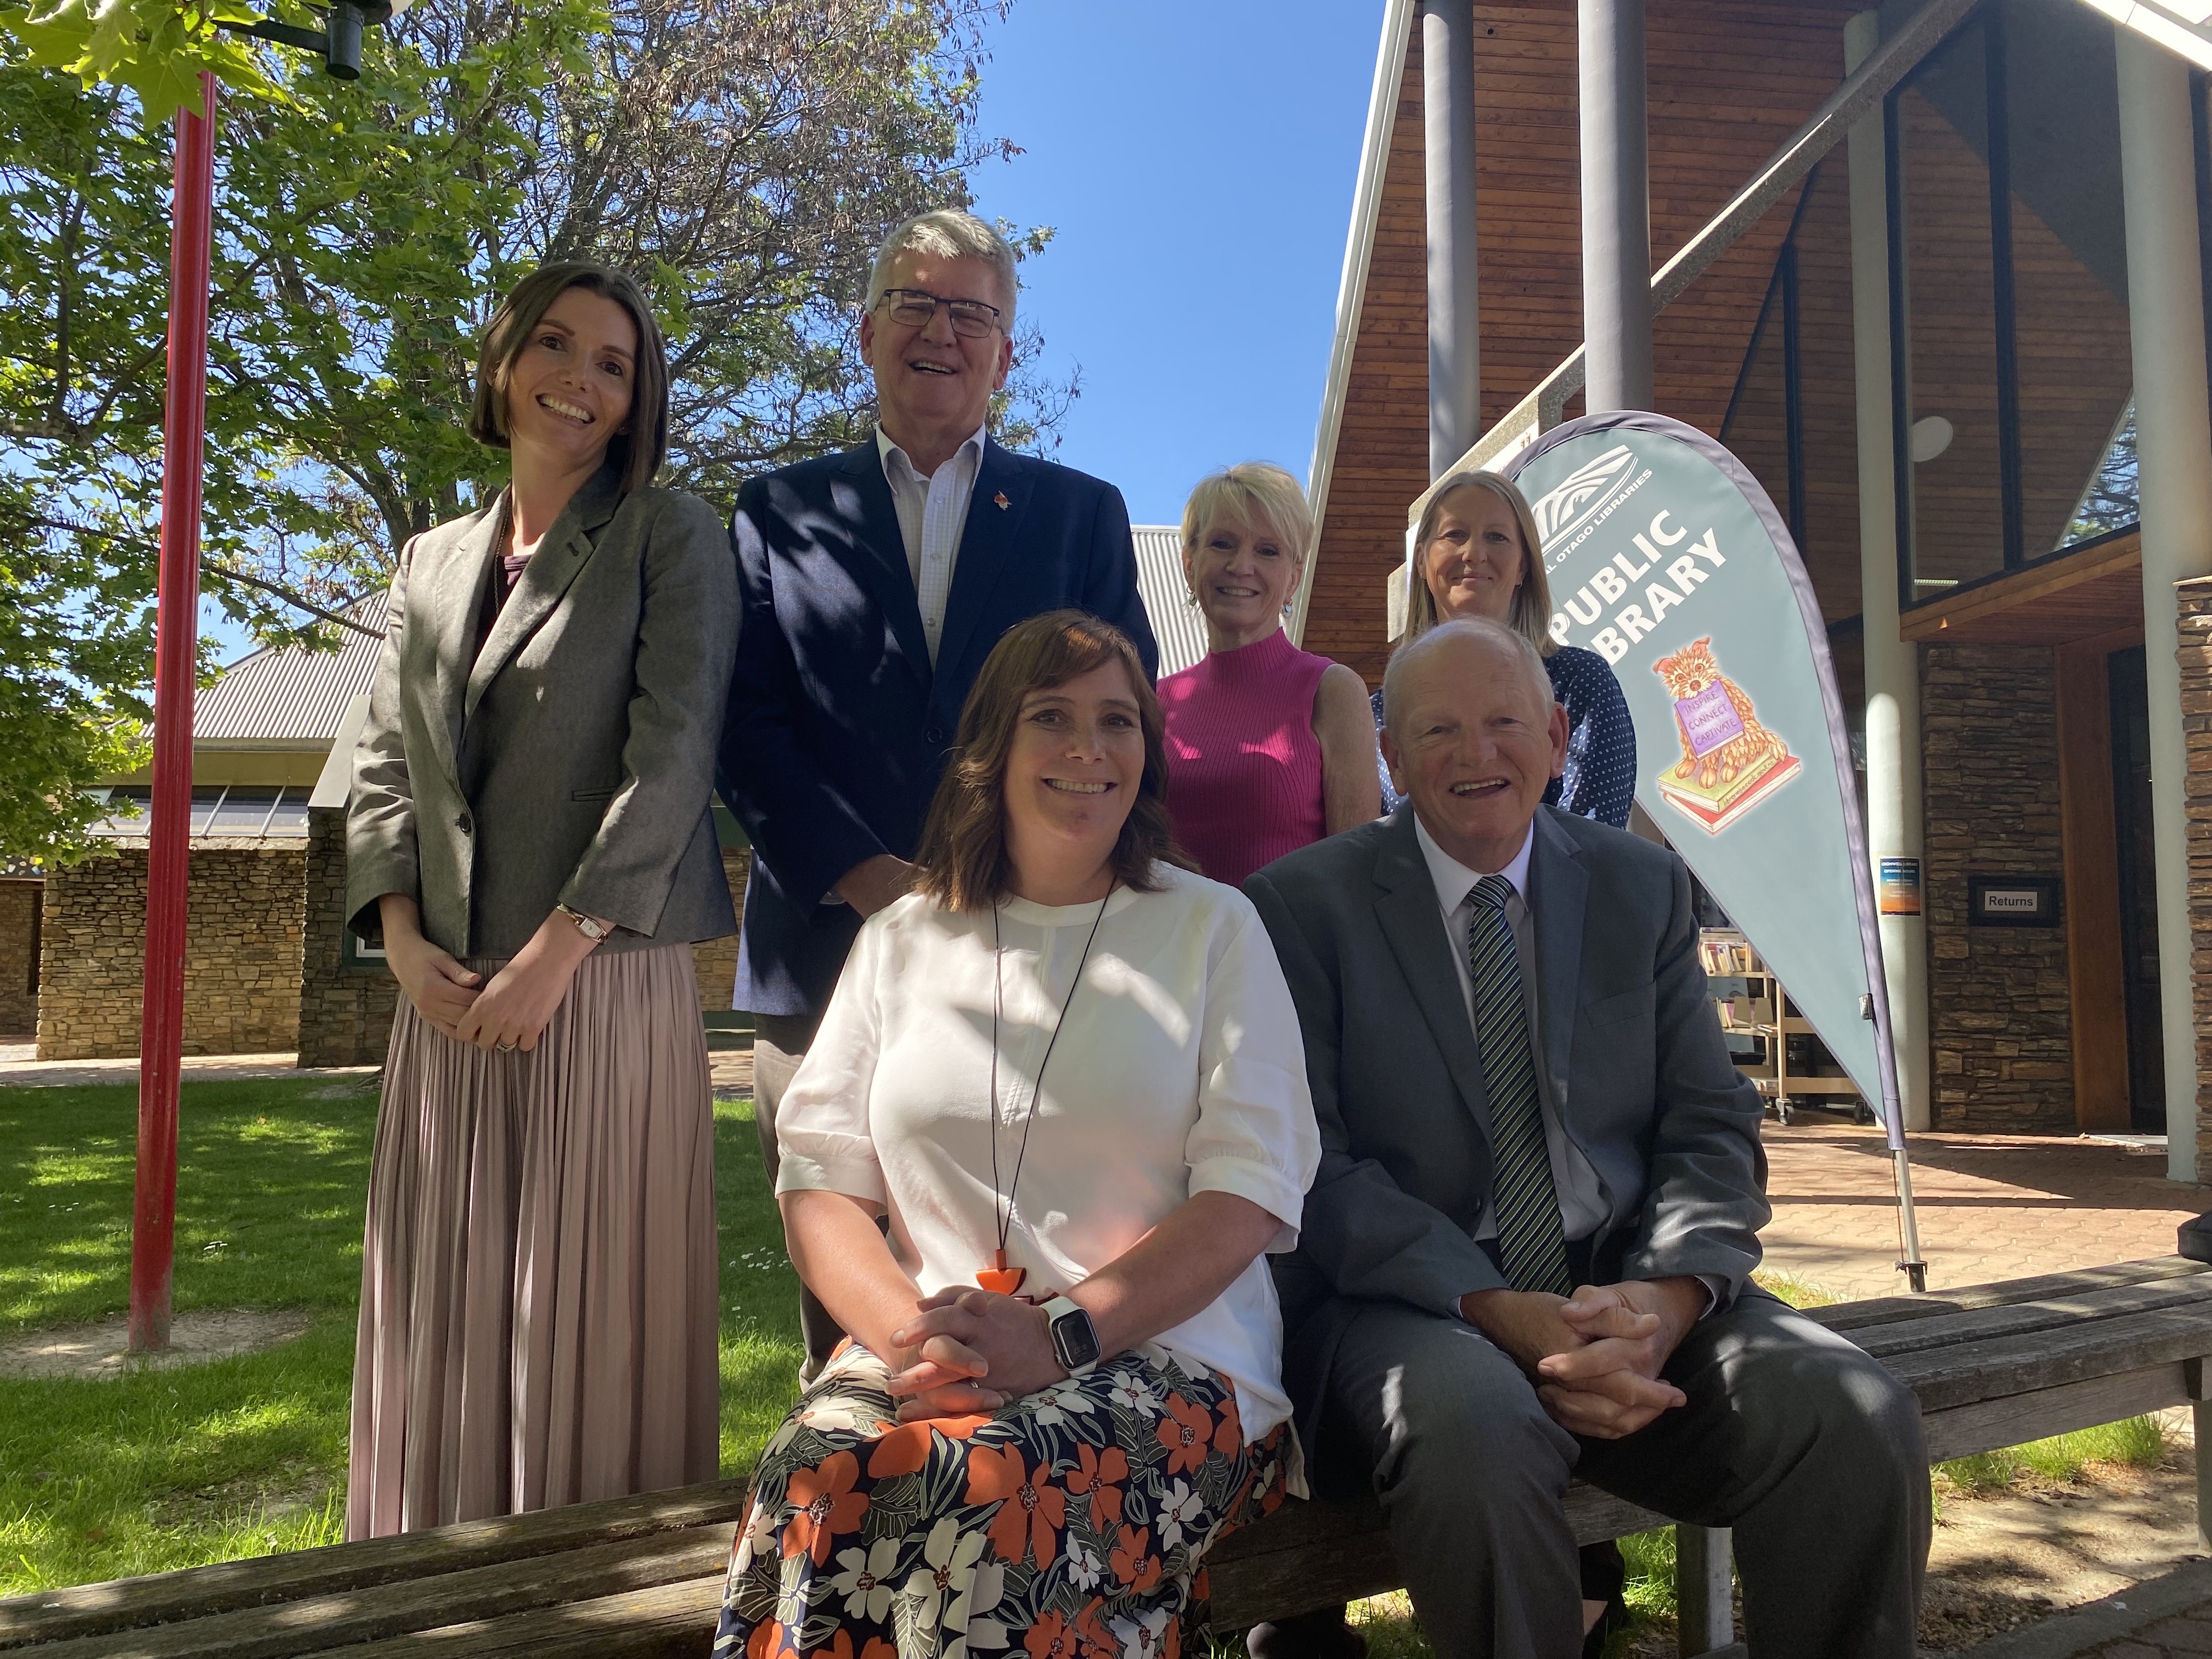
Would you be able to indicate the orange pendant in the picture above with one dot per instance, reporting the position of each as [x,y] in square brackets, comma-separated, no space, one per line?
[999,1277]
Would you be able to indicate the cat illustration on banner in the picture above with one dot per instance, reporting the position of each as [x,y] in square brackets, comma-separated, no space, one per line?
[1729,763]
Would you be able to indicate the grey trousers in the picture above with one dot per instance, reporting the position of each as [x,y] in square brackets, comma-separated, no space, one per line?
[1809,1449]
[780,1042]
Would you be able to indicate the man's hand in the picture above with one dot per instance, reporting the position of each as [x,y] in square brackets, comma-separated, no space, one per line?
[1528,1325]
[874,883]
[980,1336]
[1610,1387]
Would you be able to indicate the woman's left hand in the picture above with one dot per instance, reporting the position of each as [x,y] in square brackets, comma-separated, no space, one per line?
[515,1009]
[1006,1333]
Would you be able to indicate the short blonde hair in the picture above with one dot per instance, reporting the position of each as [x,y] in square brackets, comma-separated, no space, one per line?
[1250,491]
[947,234]
[1530,616]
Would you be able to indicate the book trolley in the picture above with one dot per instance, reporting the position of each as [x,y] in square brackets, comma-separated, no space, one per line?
[1758,1022]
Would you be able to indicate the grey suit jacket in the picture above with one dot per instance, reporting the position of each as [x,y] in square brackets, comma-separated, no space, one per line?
[571,761]
[1641,1076]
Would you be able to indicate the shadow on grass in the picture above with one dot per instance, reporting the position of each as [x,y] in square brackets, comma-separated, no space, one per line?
[156,1470]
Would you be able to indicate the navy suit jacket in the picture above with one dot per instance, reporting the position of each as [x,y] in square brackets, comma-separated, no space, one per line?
[838,729]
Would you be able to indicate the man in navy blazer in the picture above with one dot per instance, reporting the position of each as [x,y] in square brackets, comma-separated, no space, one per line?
[874,582]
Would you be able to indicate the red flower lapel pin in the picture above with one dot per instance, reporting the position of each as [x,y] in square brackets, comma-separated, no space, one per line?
[1001,499]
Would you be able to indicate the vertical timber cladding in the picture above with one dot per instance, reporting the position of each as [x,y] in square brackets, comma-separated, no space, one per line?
[1729,82]
[241,952]
[2000,1002]
[2196,654]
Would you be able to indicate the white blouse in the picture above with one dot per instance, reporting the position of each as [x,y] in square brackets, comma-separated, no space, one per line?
[1181,1071]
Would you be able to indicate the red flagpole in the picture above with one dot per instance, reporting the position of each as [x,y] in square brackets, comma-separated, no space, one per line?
[176,651]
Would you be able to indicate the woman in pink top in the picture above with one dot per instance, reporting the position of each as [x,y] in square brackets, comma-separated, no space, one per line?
[1269,748]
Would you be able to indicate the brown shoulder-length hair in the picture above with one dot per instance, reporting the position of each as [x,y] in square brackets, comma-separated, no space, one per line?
[962,862]
[1530,616]
[635,454]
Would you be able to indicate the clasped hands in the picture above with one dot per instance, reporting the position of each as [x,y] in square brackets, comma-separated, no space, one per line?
[1595,1357]
[970,1351]
[512,1011]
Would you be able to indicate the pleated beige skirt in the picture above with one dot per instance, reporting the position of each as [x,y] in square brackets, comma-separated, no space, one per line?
[538,1288]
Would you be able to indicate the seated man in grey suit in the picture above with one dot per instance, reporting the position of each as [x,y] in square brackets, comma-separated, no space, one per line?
[1527,1252]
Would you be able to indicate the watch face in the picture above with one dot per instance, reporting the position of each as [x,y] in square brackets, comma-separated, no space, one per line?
[1075,1340]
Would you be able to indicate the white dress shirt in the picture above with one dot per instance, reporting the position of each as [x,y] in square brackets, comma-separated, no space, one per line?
[1180,1070]
[1582,1205]
[932,513]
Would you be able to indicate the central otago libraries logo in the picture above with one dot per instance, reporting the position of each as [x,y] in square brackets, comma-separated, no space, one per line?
[1570,514]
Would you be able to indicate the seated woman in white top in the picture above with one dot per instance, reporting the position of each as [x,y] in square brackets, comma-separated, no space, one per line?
[1068,1077]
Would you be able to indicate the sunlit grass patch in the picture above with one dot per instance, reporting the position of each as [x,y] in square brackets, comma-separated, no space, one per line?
[2138,1443]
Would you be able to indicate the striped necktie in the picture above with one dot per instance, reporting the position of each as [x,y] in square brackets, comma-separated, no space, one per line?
[1532,1241]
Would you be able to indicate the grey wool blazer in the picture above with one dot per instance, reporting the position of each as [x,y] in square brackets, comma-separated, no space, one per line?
[571,761]
[1640,1074]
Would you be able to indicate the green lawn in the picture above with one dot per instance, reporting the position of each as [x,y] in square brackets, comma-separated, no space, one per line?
[162,1469]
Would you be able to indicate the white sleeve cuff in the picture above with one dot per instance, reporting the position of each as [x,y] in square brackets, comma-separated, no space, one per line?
[856,1177]
[1262,1184]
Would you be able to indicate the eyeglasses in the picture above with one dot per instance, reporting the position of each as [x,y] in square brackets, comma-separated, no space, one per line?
[913,307]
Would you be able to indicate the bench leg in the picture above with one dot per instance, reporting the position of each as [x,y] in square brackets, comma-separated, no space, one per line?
[1701,1588]
[2201,1412]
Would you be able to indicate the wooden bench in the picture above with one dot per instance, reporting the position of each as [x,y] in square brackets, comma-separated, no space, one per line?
[1993,1365]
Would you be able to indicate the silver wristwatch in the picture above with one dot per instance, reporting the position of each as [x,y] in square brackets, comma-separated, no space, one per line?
[1074,1338]
[590,928]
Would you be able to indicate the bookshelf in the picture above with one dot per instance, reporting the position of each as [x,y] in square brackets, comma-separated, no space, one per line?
[1756,1018]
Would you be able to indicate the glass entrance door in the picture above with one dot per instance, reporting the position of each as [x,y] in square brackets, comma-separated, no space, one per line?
[2131,704]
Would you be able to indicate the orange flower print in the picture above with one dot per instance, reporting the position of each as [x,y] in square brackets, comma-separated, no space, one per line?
[766,1641]
[1032,1510]
[825,1504]
[1100,1474]
[1050,1637]
[1228,1436]
[1184,1433]
[1096,1640]
[1132,1563]
[906,1448]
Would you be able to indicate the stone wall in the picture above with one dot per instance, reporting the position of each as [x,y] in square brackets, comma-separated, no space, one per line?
[241,952]
[19,957]
[345,1009]
[2196,657]
[717,959]
[2000,1012]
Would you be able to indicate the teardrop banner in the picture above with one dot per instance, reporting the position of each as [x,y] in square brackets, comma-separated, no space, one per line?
[1667,558]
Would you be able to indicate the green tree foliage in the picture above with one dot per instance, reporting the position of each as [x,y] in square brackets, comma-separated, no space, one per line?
[743,156]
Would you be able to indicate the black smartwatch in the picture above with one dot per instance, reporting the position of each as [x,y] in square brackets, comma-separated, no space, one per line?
[1074,1338]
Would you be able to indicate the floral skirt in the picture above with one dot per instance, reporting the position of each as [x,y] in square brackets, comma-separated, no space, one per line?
[1069,1524]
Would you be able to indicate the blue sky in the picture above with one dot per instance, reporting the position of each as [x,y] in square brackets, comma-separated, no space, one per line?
[1196,159]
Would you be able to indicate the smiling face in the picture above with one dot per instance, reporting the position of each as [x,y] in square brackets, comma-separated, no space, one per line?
[930,380]
[1473,739]
[1072,773]
[570,389]
[1242,572]
[1474,560]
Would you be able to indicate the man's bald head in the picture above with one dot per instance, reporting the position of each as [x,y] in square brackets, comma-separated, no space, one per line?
[1473,736]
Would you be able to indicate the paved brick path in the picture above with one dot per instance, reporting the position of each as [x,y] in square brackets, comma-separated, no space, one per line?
[1991,1207]
[2166,1618]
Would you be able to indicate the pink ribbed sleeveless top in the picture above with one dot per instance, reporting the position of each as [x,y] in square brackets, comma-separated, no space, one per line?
[1243,765]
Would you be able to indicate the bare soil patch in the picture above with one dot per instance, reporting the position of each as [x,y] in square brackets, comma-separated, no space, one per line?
[102,1347]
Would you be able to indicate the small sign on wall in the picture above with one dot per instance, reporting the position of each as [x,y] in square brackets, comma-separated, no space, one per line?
[2011,901]
[1897,889]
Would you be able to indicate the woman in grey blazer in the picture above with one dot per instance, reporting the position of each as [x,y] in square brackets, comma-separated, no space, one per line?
[531,838]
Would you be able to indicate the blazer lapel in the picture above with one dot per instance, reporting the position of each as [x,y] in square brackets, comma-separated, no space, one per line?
[556,563]
[879,549]
[995,512]
[1406,908]
[1561,890]
[462,582]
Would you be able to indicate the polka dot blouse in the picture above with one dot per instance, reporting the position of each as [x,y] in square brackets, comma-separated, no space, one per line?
[1600,780]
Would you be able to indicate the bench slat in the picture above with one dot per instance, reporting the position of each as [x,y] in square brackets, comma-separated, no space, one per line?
[668,1621]
[500,1592]
[1961,1376]
[1889,1341]
[1991,1425]
[1888,1309]
[197,1592]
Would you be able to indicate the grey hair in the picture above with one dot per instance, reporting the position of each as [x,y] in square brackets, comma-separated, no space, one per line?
[947,234]
[1462,627]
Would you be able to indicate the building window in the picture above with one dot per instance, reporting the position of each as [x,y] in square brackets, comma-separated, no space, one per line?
[2010,355]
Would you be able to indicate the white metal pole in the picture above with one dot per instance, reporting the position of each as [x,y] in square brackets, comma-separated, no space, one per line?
[2173,447]
[1455,307]
[1892,667]
[1616,206]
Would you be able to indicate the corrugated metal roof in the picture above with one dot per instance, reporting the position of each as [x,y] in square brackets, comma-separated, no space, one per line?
[1176,625]
[294,698]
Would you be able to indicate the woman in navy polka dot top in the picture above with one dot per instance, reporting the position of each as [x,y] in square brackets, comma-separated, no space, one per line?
[1471,552]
